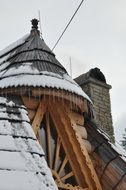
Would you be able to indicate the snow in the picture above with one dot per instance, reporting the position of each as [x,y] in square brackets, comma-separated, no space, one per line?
[15,180]
[28,145]
[43,81]
[117,148]
[22,162]
[13,45]
[23,69]
[103,133]
[5,127]
[3,100]
[7,143]
[24,116]
[3,59]
[23,129]
[11,160]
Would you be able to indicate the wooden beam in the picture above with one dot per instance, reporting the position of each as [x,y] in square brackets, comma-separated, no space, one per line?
[79,119]
[31,114]
[63,165]
[58,145]
[30,103]
[67,176]
[62,94]
[49,154]
[78,158]
[39,115]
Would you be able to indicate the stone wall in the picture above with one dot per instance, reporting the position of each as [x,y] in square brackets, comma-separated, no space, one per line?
[98,91]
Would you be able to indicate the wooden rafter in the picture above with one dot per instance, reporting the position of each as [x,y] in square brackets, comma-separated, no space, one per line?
[63,165]
[30,103]
[58,145]
[39,116]
[79,159]
[48,140]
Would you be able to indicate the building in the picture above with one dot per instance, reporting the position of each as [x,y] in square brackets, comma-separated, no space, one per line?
[41,105]
[94,84]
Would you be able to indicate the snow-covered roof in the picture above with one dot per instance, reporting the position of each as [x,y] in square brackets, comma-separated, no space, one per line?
[29,62]
[22,162]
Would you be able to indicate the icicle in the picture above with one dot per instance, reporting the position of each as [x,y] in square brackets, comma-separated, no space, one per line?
[2,92]
[6,93]
[25,90]
[44,95]
[70,101]
[58,95]
[53,92]
[62,96]
[29,95]
[73,101]
[39,93]
[77,103]
[82,103]
[35,96]
[21,91]
[49,94]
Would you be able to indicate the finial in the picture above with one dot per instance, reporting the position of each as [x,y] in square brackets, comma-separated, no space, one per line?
[34,29]
[34,23]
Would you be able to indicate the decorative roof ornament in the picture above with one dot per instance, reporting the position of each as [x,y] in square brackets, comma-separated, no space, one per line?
[30,64]
[34,29]
[35,23]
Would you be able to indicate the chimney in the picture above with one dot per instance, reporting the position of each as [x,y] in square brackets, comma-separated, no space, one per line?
[94,84]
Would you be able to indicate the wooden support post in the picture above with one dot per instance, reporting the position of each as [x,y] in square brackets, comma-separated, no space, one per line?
[39,116]
[78,158]
[49,155]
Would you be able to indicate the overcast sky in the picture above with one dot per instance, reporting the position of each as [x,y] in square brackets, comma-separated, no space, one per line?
[95,38]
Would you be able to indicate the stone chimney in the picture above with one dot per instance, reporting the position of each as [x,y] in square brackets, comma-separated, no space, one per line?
[94,84]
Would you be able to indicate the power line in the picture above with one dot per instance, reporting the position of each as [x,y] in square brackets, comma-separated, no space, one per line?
[68,24]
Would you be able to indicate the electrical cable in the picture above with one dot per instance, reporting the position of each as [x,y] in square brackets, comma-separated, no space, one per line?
[67,25]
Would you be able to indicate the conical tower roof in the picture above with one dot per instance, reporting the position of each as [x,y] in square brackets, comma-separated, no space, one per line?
[29,62]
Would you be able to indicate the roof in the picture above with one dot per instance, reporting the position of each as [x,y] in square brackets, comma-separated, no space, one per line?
[30,62]
[109,159]
[22,162]
[94,73]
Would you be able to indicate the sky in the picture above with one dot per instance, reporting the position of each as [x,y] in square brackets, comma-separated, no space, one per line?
[95,38]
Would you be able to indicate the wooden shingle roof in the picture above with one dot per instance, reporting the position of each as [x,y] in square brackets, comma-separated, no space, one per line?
[109,160]
[30,62]
[22,162]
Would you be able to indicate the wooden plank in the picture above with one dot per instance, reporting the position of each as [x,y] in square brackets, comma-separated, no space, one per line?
[98,163]
[39,116]
[31,114]
[122,184]
[49,155]
[81,130]
[78,158]
[63,165]
[30,103]
[79,119]
[58,145]
[67,176]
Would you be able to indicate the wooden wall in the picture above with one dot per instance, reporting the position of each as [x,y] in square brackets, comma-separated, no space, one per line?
[109,165]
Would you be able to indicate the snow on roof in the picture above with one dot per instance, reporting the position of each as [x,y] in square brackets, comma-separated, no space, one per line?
[44,79]
[115,146]
[13,45]
[22,162]
[29,62]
